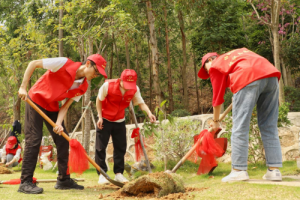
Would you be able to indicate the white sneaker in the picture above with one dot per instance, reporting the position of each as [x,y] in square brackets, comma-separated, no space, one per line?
[273,175]
[102,180]
[119,177]
[236,176]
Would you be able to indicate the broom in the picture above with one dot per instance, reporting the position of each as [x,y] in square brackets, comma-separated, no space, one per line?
[78,158]
[199,141]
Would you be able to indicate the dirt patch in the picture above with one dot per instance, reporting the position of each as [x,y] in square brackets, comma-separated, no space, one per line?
[4,170]
[151,196]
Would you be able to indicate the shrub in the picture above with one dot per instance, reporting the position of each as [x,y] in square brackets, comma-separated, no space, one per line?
[177,138]
[292,96]
[180,113]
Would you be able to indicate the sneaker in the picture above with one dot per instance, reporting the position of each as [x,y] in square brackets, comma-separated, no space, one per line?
[30,188]
[68,184]
[273,175]
[102,180]
[236,176]
[120,178]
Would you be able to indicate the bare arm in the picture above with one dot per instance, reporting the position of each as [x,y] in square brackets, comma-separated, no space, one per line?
[61,115]
[99,111]
[145,108]
[28,72]
[215,124]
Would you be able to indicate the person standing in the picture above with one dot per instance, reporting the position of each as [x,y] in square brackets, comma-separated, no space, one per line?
[11,153]
[114,96]
[253,80]
[64,79]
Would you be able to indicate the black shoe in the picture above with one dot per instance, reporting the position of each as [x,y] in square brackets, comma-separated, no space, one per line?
[68,184]
[30,188]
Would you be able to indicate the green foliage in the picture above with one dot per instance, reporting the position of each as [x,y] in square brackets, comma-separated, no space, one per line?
[256,149]
[292,96]
[227,99]
[177,138]
[282,115]
[180,113]
[291,49]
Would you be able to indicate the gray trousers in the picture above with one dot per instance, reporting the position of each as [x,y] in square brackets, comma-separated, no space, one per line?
[264,94]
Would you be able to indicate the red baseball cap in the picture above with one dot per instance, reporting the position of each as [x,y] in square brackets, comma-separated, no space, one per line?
[129,78]
[100,63]
[11,141]
[202,72]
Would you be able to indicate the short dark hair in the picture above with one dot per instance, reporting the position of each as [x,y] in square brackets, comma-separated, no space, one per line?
[213,57]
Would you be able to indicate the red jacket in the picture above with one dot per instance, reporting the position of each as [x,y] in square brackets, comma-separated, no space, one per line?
[113,106]
[13,152]
[53,87]
[236,69]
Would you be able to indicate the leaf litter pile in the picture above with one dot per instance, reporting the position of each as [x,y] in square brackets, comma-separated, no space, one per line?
[4,170]
[158,185]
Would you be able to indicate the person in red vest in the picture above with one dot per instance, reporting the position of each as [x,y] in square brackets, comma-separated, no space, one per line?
[114,96]
[253,80]
[11,153]
[64,79]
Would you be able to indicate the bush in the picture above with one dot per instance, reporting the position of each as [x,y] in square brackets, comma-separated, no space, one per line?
[177,138]
[292,96]
[180,113]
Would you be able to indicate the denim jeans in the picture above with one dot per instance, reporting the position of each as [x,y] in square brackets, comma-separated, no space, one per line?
[263,93]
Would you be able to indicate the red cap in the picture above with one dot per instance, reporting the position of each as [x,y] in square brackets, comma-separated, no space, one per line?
[129,78]
[202,72]
[100,63]
[11,141]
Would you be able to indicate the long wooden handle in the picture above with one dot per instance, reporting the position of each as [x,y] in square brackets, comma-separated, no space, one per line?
[189,153]
[68,139]
[141,138]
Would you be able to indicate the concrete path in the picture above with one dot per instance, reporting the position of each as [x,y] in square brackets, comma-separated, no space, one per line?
[294,183]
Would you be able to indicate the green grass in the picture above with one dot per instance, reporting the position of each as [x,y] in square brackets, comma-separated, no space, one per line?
[215,189]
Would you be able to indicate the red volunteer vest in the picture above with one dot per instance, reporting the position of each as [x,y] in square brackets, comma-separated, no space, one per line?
[13,152]
[243,67]
[113,106]
[53,87]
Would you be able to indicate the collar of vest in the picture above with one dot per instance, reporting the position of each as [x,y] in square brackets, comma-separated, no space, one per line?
[73,69]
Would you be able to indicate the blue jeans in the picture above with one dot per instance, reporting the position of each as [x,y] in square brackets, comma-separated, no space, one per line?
[264,93]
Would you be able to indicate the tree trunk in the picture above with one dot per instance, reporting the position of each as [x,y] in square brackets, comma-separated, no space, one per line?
[137,67]
[16,108]
[277,61]
[150,77]
[154,54]
[87,118]
[284,73]
[290,79]
[127,53]
[275,9]
[60,31]
[196,83]
[111,62]
[184,78]
[171,103]
[116,50]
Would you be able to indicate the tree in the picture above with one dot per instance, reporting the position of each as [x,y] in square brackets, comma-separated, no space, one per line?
[273,25]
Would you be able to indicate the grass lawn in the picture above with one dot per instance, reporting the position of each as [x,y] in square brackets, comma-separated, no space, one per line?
[215,189]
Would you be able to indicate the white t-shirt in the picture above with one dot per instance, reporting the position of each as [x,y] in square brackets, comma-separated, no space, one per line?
[54,64]
[17,156]
[137,98]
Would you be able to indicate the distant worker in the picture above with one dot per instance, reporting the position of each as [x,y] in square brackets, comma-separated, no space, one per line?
[11,153]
